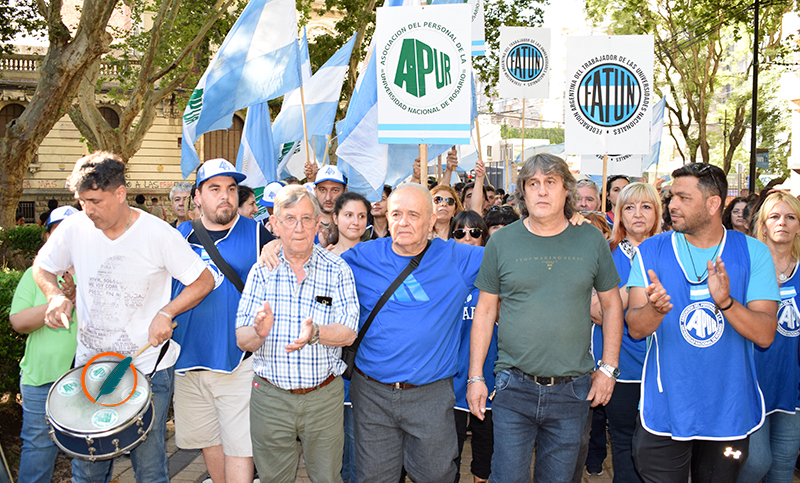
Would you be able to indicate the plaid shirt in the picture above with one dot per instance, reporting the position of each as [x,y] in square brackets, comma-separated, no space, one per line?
[326,275]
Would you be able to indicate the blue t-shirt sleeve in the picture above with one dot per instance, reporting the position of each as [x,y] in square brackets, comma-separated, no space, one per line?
[763,284]
[470,259]
[636,279]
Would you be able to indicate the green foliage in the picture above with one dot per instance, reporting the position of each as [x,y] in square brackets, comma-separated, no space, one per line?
[554,134]
[28,239]
[12,344]
[19,17]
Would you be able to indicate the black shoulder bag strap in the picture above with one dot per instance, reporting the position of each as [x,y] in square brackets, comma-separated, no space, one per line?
[212,251]
[412,265]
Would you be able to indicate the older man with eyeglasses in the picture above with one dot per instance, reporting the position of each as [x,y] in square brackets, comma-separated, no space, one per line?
[295,319]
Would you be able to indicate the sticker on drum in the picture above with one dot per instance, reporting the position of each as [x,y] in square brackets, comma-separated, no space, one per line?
[104,418]
[69,387]
[137,397]
[98,372]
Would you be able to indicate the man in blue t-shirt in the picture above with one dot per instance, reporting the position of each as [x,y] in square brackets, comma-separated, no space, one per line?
[402,388]
[700,398]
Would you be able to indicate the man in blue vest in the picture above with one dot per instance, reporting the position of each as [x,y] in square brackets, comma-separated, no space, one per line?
[705,295]
[212,387]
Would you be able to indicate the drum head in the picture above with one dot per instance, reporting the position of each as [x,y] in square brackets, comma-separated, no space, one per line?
[70,409]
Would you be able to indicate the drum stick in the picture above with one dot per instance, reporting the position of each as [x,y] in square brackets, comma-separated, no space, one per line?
[65,320]
[146,346]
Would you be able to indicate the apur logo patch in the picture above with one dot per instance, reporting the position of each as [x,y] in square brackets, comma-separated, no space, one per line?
[788,325]
[701,324]
[609,91]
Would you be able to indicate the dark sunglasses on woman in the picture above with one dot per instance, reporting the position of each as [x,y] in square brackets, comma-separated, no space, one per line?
[461,233]
[440,199]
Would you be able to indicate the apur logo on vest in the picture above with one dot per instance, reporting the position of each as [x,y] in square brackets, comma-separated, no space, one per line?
[701,324]
[523,62]
[788,325]
[422,68]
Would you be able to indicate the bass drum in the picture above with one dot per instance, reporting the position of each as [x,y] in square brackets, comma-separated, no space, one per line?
[90,431]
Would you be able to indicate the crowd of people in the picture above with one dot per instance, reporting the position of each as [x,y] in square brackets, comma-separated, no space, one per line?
[531,320]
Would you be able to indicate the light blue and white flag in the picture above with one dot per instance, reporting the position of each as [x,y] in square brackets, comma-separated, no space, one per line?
[656,131]
[322,93]
[305,60]
[258,61]
[257,156]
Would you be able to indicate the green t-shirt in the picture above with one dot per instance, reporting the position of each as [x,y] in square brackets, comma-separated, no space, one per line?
[48,352]
[545,288]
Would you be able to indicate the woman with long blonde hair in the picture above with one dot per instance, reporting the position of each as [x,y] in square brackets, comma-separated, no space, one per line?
[774,446]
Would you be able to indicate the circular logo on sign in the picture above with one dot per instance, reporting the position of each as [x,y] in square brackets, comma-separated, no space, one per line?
[525,62]
[701,324]
[137,396]
[788,325]
[422,68]
[104,418]
[608,94]
[69,387]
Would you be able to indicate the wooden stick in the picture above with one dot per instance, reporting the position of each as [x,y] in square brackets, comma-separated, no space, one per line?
[305,127]
[147,346]
[439,167]
[423,161]
[603,187]
[522,158]
[478,141]
[327,146]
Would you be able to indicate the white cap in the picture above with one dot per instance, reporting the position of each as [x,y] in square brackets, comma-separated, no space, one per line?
[330,173]
[270,191]
[218,167]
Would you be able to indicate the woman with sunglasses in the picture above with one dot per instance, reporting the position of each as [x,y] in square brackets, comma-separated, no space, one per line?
[638,214]
[774,446]
[469,228]
[446,205]
[614,185]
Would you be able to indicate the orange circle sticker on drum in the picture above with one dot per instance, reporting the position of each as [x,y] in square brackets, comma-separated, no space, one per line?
[101,373]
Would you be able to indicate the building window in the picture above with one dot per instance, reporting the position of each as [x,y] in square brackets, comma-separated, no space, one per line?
[8,114]
[223,143]
[488,151]
[111,116]
[27,210]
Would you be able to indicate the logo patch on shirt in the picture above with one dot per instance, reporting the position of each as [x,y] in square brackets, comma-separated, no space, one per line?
[701,324]
[788,325]
[410,291]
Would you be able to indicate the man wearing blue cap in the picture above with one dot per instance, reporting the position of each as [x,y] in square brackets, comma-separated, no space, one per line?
[212,387]
[329,185]
[125,260]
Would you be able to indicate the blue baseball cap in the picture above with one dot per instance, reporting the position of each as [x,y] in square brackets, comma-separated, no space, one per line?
[58,215]
[270,191]
[218,167]
[330,173]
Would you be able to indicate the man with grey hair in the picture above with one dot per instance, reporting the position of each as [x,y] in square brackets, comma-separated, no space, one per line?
[588,196]
[402,386]
[543,269]
[178,196]
[295,319]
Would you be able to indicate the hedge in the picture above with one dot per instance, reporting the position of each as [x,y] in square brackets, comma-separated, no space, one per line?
[12,344]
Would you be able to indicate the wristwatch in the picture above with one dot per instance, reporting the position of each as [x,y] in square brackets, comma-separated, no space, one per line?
[314,338]
[608,370]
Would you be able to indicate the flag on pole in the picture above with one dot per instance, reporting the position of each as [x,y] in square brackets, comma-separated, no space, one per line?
[305,60]
[258,61]
[257,156]
[656,131]
[322,93]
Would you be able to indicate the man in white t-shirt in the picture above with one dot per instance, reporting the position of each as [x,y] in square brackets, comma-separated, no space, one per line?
[125,260]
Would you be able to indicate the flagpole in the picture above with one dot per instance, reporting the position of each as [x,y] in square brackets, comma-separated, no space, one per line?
[423,161]
[478,140]
[305,127]
[439,167]
[605,177]
[522,158]
[314,148]
[327,146]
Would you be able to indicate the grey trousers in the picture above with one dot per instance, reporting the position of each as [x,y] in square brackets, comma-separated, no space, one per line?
[404,427]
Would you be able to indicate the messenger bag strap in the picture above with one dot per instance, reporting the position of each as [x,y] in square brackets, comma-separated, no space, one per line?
[212,251]
[412,265]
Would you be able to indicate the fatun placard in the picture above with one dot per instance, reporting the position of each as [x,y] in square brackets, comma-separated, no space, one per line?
[524,63]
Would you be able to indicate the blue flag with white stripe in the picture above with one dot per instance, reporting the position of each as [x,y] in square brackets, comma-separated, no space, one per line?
[257,157]
[656,130]
[321,93]
[258,61]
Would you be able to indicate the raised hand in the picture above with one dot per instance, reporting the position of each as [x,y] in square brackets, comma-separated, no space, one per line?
[719,285]
[264,320]
[657,294]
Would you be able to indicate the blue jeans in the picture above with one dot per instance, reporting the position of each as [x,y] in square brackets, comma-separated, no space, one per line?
[349,455]
[525,415]
[773,450]
[149,459]
[38,451]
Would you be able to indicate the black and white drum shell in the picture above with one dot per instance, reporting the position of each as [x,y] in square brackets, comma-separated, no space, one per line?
[93,432]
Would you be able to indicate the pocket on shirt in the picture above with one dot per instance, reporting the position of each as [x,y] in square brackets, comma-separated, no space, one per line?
[321,314]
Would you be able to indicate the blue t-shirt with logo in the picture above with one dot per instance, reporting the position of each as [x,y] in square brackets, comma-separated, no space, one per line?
[415,336]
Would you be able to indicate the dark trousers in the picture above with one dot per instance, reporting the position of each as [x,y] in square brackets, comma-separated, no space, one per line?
[622,412]
[660,459]
[597,439]
[482,442]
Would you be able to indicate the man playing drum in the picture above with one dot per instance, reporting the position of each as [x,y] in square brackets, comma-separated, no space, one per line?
[125,260]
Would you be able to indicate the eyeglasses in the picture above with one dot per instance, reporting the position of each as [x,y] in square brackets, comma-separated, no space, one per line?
[704,169]
[291,222]
[461,233]
[440,199]
[503,208]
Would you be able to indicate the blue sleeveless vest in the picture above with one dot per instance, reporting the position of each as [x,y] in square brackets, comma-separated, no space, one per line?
[699,379]
[207,333]
[460,379]
[777,366]
[631,354]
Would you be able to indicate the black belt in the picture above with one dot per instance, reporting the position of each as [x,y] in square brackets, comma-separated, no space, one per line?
[396,385]
[548,381]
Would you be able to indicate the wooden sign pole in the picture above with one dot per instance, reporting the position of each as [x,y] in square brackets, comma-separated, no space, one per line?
[603,187]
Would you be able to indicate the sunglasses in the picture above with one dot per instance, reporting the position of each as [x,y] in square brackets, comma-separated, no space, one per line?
[503,208]
[461,233]
[704,169]
[448,201]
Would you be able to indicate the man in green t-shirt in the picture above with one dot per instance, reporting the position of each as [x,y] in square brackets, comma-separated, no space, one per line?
[543,269]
